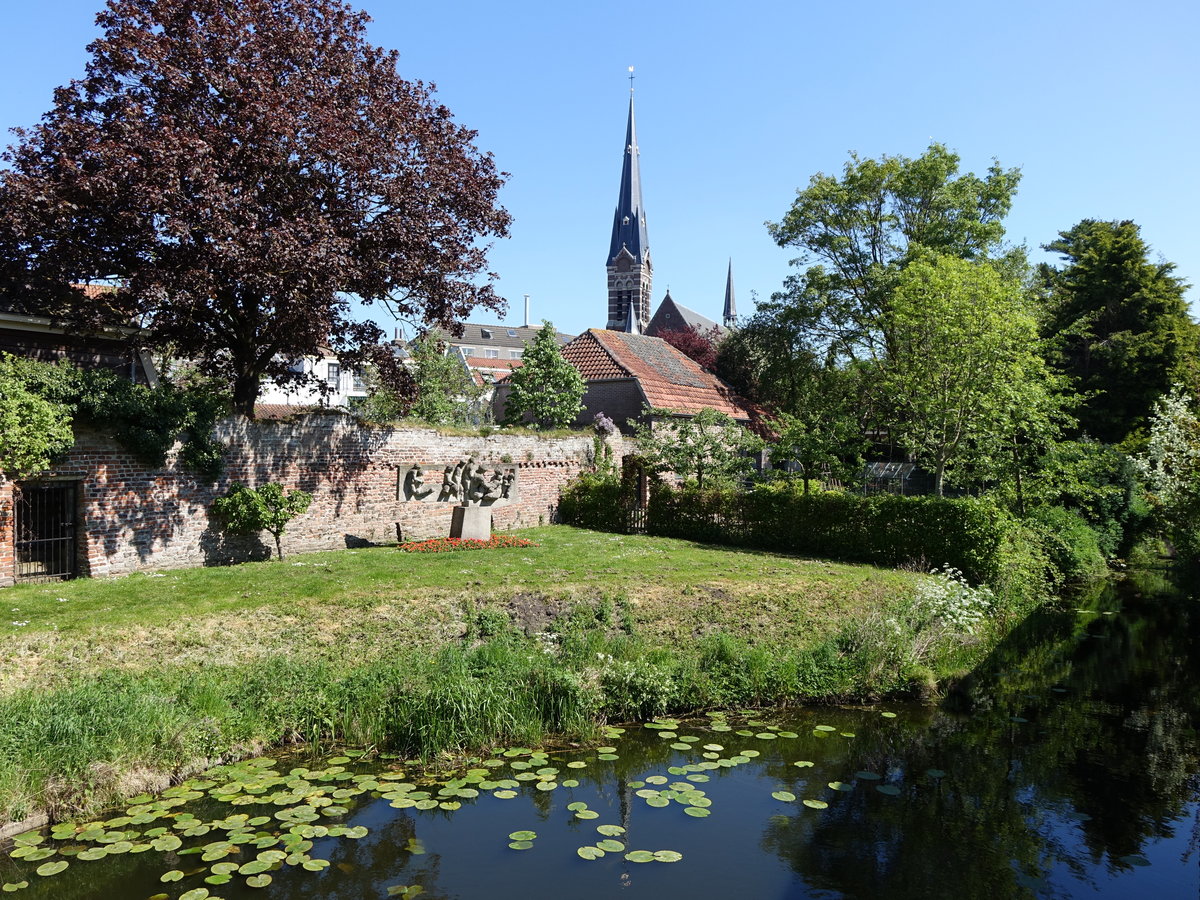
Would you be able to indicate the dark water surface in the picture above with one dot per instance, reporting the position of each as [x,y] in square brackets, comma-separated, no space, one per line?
[1068,766]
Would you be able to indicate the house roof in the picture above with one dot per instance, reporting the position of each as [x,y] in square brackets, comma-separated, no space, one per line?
[668,379]
[674,316]
[479,335]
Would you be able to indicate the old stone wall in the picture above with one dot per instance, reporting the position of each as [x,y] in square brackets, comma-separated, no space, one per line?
[130,517]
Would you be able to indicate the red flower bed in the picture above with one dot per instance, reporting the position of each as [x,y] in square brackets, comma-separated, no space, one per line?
[449,545]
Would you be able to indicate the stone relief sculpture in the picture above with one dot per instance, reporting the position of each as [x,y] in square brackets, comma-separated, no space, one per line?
[415,486]
[466,482]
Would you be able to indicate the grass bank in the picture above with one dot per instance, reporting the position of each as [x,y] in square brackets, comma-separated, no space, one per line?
[111,687]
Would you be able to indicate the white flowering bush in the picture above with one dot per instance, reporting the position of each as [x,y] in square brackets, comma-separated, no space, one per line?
[1171,468]
[946,598]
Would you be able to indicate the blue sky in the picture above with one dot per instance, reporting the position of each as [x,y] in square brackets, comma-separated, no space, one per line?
[738,104]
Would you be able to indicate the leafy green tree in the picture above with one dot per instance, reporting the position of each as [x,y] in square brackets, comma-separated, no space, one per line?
[444,391]
[247,510]
[859,231]
[1171,467]
[1119,324]
[824,434]
[33,430]
[964,372]
[707,446]
[545,387]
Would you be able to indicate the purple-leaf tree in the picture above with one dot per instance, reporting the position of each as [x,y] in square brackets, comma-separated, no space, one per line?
[244,169]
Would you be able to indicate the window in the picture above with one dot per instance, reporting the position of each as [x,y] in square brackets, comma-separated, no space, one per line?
[468,351]
[512,332]
[514,354]
[491,353]
[333,375]
[485,333]
[359,383]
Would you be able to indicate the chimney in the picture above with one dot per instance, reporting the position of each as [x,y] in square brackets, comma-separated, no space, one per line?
[526,310]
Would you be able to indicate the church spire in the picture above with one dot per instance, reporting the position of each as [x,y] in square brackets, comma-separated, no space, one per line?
[628,263]
[730,316]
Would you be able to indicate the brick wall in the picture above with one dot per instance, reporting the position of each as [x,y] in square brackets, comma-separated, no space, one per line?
[131,517]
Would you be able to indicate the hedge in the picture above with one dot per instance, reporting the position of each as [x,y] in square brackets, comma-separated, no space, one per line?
[987,544]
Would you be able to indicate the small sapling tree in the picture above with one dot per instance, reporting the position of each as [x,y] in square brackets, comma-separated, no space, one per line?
[546,387]
[247,510]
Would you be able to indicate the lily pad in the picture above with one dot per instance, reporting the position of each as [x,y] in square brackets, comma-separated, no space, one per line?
[587,814]
[890,789]
[658,801]
[610,830]
[765,736]
[195,894]
[610,846]
[888,715]
[696,812]
[640,856]
[679,745]
[504,795]
[52,868]
[868,776]
[521,845]
[815,804]
[11,887]
[667,856]
[168,877]
[824,728]
[803,764]
[935,773]
[590,852]
[522,836]
[785,796]
[841,786]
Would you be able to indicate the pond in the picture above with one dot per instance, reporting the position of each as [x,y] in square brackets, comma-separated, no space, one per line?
[1067,766]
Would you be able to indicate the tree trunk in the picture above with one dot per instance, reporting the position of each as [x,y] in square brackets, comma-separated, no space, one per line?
[940,477]
[278,545]
[245,392]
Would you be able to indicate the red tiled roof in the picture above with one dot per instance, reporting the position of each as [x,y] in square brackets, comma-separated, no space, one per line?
[668,378]
[92,291]
[278,410]
[481,362]
[594,361]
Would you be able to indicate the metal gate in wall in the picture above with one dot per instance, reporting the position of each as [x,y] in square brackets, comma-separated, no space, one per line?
[45,533]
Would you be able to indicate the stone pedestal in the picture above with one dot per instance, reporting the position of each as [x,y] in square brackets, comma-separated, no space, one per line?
[471,523]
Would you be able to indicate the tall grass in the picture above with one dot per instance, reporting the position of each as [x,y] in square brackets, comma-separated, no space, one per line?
[98,740]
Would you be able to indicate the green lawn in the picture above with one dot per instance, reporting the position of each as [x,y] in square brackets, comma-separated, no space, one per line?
[110,687]
[347,603]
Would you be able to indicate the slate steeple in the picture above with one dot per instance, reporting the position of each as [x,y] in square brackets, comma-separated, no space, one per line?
[628,263]
[730,315]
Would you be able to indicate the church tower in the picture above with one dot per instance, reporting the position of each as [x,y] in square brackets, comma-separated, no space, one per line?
[730,315]
[628,263]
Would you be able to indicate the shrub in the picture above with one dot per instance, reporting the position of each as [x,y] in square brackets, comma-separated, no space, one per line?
[250,510]
[33,430]
[1071,544]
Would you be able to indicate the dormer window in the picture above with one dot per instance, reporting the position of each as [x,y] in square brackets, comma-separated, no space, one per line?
[625,221]
[485,333]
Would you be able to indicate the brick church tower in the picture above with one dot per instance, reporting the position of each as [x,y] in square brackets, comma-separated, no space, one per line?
[629,268]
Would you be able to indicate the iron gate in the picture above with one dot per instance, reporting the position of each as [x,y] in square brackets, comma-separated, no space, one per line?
[45,538]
